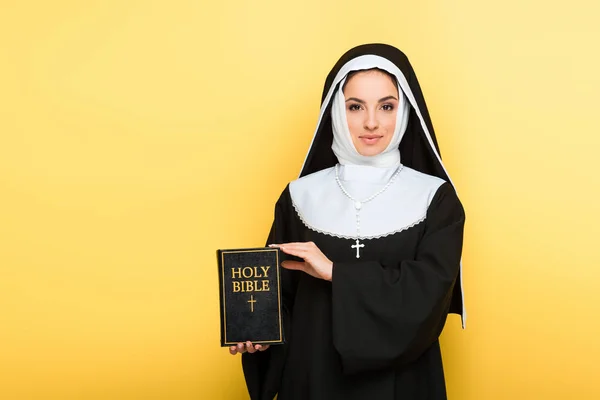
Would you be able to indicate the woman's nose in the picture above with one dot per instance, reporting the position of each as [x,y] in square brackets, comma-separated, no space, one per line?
[371,122]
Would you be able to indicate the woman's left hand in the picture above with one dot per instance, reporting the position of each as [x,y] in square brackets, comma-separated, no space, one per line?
[315,262]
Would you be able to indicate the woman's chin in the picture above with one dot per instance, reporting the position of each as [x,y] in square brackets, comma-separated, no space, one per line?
[370,151]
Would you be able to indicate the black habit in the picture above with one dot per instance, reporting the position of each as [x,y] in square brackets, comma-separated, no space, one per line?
[372,332]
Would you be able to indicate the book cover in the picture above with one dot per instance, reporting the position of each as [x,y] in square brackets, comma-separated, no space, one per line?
[250,296]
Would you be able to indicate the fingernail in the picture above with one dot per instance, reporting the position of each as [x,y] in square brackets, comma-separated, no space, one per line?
[258,347]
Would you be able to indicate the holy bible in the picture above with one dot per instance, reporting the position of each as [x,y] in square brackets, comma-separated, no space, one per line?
[249,285]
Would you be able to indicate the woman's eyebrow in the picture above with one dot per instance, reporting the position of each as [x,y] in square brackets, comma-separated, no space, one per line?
[355,99]
[363,102]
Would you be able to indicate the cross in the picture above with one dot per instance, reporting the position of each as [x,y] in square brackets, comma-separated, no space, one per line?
[357,246]
[251,301]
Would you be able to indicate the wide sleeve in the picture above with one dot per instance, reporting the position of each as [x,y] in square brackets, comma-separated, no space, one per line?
[388,315]
[263,370]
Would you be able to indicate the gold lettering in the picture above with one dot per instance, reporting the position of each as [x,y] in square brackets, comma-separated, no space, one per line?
[245,270]
[265,271]
[254,285]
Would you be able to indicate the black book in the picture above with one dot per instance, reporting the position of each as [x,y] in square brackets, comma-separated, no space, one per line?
[249,284]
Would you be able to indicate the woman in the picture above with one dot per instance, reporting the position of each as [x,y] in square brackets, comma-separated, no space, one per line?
[372,232]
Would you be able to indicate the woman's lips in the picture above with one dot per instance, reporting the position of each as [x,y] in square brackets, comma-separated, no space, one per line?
[370,139]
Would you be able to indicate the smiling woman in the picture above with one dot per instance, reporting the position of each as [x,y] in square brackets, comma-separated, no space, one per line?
[373,246]
[371,99]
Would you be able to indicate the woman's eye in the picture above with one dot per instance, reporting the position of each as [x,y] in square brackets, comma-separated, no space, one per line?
[354,107]
[387,107]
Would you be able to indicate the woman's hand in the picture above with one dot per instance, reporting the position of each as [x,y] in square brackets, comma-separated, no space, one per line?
[247,347]
[315,262]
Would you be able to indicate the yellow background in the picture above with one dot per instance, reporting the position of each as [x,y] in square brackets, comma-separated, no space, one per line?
[136,137]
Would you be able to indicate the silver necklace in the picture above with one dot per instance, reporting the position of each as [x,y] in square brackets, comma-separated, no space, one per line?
[359,203]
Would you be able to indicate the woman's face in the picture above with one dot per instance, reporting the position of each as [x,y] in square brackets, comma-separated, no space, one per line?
[371,109]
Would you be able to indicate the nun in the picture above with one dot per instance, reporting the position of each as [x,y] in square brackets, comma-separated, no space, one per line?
[372,234]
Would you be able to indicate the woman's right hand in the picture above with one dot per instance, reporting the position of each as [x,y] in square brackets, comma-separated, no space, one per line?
[247,347]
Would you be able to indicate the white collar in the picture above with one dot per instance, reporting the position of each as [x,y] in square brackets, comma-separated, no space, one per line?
[323,207]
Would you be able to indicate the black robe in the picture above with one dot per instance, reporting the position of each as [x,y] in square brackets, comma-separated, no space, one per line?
[372,332]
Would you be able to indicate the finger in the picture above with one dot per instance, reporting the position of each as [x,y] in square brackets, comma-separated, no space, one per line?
[241,348]
[288,248]
[295,265]
[233,350]
[294,250]
[309,247]
[250,348]
[262,347]
[297,244]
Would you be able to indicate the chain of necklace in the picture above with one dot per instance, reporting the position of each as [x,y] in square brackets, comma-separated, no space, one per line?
[359,203]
